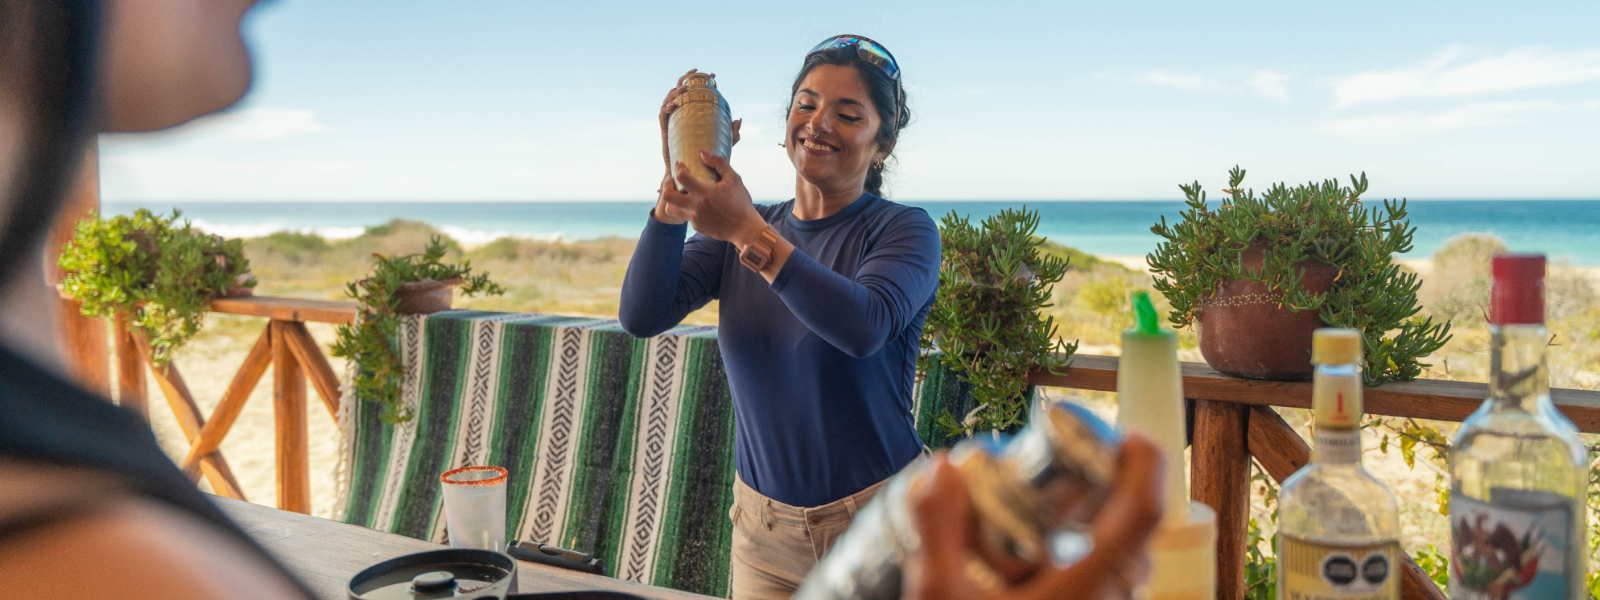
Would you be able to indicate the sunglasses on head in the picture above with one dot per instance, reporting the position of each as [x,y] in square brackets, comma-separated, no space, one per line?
[872,53]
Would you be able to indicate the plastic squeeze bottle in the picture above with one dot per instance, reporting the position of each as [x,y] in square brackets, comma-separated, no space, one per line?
[1150,400]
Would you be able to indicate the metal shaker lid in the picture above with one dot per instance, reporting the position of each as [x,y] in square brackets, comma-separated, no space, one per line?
[701,87]
[438,574]
[1084,440]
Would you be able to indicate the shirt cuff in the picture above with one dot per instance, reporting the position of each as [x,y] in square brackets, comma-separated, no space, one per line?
[789,268]
[657,227]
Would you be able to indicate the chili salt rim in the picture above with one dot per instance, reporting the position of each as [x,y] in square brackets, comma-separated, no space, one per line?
[500,478]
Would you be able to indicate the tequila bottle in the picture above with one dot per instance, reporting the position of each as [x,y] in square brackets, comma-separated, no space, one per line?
[1338,526]
[1518,470]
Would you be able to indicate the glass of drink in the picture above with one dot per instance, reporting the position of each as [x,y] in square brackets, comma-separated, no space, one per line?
[475,507]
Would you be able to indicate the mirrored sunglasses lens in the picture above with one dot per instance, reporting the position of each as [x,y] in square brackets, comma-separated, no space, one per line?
[876,55]
[843,41]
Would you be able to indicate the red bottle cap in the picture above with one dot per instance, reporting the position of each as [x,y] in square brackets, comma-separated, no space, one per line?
[1517,296]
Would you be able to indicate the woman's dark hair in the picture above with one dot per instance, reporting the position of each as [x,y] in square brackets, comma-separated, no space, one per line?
[47,67]
[882,91]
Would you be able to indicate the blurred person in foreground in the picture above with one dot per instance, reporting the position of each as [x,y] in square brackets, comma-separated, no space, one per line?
[90,507]
[943,566]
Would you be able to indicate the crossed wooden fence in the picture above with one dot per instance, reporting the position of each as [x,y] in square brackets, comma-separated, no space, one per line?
[1231,420]
[287,346]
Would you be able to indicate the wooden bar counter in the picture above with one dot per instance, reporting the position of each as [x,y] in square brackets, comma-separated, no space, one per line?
[326,554]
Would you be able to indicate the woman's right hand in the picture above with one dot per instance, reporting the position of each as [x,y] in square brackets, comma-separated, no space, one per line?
[667,106]
[667,213]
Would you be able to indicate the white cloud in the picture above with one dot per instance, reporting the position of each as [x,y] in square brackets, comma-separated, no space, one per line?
[1592,105]
[1173,80]
[1445,76]
[1396,126]
[1271,84]
[263,123]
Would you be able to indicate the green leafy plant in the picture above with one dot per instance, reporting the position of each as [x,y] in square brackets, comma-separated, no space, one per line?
[373,341]
[985,322]
[1325,223]
[1261,559]
[160,275]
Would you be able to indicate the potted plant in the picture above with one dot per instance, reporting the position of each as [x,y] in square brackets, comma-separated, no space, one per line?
[985,324]
[394,287]
[162,276]
[1257,275]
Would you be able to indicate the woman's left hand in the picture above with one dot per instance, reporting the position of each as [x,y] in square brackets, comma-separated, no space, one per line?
[721,210]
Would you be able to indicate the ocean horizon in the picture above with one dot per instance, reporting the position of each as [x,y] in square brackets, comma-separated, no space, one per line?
[1565,230]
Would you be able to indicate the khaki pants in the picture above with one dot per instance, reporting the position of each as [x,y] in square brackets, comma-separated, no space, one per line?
[775,545]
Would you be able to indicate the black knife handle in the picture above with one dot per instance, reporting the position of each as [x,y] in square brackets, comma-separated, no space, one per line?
[546,554]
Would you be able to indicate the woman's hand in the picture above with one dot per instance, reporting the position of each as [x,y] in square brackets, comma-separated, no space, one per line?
[944,518]
[721,210]
[664,211]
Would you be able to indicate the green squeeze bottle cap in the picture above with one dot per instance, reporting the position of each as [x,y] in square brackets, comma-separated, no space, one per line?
[1146,322]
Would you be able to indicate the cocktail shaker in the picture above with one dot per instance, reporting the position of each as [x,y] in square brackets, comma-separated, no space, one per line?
[701,121]
[1052,476]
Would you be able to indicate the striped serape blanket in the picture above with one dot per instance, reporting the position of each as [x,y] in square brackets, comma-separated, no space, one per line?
[616,446]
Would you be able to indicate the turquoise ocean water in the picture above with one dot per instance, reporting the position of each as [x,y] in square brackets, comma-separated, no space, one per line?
[1563,229]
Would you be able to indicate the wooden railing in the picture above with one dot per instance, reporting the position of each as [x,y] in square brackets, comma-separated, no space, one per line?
[287,346]
[1232,420]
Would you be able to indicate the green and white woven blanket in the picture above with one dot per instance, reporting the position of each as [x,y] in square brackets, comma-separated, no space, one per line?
[616,446]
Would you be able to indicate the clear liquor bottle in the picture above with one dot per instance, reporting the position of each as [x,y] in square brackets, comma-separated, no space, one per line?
[1518,469]
[1338,526]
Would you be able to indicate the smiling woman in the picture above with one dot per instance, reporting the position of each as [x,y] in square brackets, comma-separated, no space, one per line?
[822,303]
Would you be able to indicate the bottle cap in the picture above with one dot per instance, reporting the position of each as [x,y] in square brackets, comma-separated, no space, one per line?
[1517,295]
[1146,322]
[1336,346]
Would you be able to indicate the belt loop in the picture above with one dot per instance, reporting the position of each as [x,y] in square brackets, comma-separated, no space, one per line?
[850,505]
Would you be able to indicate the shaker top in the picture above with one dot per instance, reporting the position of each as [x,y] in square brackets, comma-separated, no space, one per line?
[702,87]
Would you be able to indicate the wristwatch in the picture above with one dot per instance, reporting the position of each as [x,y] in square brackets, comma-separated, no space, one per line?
[758,254]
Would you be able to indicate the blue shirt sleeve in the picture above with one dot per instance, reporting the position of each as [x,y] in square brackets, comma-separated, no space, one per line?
[668,278]
[896,279]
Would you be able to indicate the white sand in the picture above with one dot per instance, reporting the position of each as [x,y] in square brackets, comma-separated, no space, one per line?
[249,447]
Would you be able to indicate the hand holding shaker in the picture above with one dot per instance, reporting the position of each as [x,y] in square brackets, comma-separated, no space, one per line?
[475,507]
[1052,476]
[702,121]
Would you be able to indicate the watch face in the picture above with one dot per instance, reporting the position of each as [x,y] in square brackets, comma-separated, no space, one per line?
[754,257]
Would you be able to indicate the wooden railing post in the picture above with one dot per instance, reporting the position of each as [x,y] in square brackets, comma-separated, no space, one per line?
[1220,478]
[131,390]
[289,406]
[83,338]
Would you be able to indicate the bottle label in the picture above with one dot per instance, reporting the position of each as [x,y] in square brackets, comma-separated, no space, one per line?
[1315,571]
[1517,546]
[1333,445]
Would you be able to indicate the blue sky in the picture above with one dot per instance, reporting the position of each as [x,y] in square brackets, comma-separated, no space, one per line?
[503,100]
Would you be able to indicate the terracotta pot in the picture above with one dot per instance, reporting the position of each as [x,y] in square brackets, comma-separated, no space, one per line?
[1244,333]
[237,289]
[427,296]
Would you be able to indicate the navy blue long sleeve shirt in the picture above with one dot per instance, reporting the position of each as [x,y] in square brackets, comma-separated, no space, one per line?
[820,362]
